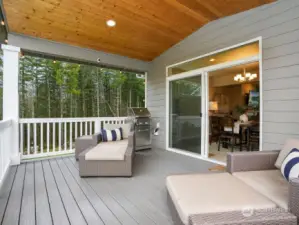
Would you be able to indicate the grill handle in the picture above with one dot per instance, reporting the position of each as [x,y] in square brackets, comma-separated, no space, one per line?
[142,130]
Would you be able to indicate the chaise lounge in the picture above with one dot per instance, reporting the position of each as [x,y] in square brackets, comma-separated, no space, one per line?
[98,158]
[252,191]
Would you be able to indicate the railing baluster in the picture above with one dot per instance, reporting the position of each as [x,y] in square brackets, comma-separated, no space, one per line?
[53,133]
[90,127]
[76,130]
[85,131]
[41,137]
[65,136]
[59,136]
[28,138]
[81,132]
[48,138]
[22,139]
[34,138]
[71,135]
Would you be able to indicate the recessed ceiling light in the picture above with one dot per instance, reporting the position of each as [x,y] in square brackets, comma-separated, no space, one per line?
[111,23]
[2,22]
[212,60]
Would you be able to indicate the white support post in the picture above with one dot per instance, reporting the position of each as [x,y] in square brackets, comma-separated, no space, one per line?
[11,96]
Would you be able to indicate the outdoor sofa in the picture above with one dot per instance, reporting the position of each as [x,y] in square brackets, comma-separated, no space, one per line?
[252,191]
[98,158]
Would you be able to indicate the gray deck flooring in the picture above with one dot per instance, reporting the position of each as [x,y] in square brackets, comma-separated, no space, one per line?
[51,192]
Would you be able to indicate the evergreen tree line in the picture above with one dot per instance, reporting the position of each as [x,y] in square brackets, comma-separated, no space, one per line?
[50,88]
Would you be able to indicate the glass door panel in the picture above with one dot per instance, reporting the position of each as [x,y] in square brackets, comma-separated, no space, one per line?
[185,114]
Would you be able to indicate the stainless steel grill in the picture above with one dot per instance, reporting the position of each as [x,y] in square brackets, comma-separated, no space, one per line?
[141,119]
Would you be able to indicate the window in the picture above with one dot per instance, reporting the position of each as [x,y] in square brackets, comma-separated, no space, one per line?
[242,52]
[54,88]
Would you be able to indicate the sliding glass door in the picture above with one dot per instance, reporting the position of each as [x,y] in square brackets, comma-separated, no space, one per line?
[185,114]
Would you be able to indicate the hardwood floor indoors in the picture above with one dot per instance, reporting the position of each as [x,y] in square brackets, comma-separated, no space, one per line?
[51,192]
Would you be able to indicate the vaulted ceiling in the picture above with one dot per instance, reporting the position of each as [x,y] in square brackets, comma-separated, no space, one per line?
[144,28]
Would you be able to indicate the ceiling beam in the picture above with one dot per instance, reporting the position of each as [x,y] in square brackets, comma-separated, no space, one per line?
[188,11]
[209,7]
[199,9]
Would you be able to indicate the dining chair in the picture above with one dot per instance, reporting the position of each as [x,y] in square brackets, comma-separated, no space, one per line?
[229,133]
[254,137]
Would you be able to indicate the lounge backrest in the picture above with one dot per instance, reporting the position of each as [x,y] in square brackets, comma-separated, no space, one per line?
[126,128]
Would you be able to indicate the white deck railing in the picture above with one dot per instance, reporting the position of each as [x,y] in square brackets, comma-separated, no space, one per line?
[56,136]
[5,142]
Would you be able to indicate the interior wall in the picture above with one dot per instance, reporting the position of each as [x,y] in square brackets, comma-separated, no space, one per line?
[73,52]
[278,24]
[235,95]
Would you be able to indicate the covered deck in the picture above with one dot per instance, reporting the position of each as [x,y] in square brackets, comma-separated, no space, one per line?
[39,179]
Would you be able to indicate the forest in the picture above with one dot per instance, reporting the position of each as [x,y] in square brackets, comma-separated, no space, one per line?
[51,88]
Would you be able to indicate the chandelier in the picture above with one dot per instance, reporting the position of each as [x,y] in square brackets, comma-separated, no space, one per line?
[245,77]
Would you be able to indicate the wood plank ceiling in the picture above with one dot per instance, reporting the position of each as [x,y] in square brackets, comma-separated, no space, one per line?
[144,29]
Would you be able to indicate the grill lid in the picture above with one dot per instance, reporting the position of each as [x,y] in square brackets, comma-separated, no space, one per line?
[139,112]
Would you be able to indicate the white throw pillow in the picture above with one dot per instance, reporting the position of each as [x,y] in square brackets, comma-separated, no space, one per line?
[112,135]
[289,145]
[126,128]
[290,166]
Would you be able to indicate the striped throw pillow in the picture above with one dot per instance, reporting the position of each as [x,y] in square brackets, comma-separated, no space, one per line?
[290,165]
[112,135]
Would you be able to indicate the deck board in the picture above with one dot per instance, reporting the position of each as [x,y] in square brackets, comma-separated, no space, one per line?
[87,209]
[27,215]
[6,190]
[59,216]
[104,212]
[43,213]
[52,192]
[71,206]
[14,205]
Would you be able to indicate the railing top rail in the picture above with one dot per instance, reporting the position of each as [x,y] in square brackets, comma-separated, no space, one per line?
[5,124]
[61,120]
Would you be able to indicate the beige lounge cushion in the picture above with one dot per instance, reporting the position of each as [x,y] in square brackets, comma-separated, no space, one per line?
[270,183]
[113,150]
[210,193]
[287,148]
[125,127]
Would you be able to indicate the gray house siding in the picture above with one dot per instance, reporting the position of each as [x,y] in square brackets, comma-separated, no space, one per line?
[278,24]
[69,51]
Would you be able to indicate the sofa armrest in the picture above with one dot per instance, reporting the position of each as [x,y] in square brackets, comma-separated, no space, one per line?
[294,196]
[251,161]
[84,142]
[130,149]
[81,156]
[96,138]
